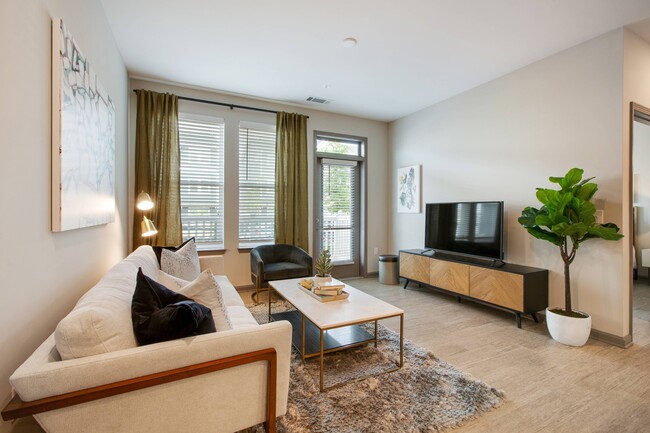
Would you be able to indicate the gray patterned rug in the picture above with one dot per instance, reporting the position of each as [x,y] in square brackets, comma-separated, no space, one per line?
[425,395]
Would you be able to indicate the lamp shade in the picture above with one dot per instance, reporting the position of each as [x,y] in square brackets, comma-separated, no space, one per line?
[144,202]
[147,227]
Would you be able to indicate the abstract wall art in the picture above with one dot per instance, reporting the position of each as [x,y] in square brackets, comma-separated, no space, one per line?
[408,189]
[83,139]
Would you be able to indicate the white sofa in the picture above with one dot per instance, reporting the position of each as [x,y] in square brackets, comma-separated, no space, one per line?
[232,398]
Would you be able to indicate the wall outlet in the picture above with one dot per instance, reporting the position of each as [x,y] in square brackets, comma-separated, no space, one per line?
[376,250]
[600,216]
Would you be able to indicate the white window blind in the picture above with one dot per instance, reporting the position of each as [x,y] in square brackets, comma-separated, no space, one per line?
[338,189]
[256,184]
[202,163]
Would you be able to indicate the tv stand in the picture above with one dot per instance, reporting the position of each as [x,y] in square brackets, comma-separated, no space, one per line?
[515,288]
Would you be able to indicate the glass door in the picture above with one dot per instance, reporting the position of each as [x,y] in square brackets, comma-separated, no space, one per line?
[338,203]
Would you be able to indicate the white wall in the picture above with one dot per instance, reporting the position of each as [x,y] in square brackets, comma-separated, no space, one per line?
[237,264]
[641,186]
[503,139]
[44,273]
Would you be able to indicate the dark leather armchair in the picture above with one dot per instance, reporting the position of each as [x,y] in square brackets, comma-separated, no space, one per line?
[278,262]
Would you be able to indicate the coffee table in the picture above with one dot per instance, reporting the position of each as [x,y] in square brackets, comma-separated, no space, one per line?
[320,328]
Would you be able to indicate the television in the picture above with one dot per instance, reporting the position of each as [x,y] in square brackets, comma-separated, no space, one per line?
[466,228]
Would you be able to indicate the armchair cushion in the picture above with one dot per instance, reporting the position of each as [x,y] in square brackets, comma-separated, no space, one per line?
[283,270]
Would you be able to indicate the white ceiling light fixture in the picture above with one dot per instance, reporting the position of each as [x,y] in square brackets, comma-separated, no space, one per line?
[349,42]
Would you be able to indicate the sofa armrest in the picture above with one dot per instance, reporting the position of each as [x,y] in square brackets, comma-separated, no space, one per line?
[37,378]
[18,408]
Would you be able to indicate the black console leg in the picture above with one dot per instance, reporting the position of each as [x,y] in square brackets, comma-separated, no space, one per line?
[460,300]
[406,283]
[535,317]
[518,317]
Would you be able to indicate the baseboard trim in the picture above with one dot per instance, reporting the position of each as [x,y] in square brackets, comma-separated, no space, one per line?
[372,274]
[245,287]
[612,339]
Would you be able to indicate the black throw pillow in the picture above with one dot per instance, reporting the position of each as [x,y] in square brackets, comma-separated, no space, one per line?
[160,314]
[158,250]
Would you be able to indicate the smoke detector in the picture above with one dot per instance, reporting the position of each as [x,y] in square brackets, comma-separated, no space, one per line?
[317,100]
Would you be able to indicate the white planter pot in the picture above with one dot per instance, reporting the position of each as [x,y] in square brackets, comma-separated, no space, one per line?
[572,331]
[318,280]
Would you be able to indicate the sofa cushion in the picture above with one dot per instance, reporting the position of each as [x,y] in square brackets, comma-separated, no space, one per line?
[160,314]
[240,317]
[183,263]
[284,270]
[230,296]
[158,249]
[101,320]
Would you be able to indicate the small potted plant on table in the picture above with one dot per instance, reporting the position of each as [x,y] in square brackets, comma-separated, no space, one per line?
[323,267]
[567,219]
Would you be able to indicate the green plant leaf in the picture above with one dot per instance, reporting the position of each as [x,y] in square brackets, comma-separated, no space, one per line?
[608,232]
[544,220]
[545,235]
[557,204]
[545,195]
[577,230]
[586,191]
[555,179]
[587,213]
[527,218]
[572,177]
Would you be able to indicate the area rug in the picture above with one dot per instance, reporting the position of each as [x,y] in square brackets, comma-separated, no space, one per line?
[425,395]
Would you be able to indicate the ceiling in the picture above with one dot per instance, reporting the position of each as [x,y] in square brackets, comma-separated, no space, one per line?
[410,53]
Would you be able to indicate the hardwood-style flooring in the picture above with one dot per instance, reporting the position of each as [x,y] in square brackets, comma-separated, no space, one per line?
[550,387]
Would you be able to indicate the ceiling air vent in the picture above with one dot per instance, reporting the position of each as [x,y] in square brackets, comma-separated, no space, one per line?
[317,100]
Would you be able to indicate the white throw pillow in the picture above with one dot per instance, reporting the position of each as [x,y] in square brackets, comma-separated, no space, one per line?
[183,264]
[171,282]
[205,290]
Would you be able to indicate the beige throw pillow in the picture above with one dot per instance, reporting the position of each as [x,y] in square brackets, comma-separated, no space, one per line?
[204,290]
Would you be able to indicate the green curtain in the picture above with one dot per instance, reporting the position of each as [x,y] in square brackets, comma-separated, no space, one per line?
[157,167]
[291,210]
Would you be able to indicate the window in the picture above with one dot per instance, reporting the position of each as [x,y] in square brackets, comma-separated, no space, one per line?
[340,146]
[256,184]
[202,162]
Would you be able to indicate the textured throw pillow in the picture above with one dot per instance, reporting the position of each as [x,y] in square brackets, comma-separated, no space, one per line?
[183,264]
[160,314]
[171,282]
[158,250]
[205,290]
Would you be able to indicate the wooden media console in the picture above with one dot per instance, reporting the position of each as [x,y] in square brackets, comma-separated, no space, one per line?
[516,288]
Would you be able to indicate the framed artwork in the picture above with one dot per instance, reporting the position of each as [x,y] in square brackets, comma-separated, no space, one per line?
[83,139]
[408,189]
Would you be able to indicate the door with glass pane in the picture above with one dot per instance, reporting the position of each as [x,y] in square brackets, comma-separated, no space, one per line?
[338,214]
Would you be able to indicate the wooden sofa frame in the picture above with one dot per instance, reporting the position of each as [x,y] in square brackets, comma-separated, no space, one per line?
[17,408]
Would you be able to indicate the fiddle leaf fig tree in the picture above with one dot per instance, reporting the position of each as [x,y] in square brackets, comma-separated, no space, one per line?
[566,219]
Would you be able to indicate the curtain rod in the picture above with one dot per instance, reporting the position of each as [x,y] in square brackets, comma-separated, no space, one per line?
[224,104]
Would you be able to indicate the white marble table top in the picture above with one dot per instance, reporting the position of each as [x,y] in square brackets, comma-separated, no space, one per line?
[359,307]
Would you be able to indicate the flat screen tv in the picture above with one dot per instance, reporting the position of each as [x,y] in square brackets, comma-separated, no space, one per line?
[468,228]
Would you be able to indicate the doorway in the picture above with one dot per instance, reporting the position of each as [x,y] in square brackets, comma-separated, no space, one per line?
[640,140]
[340,207]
